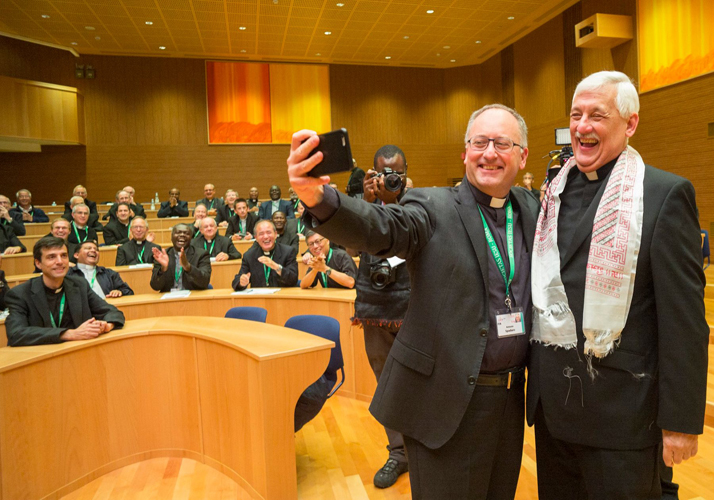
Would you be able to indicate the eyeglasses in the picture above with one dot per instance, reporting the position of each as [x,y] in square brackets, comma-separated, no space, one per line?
[502,144]
[316,243]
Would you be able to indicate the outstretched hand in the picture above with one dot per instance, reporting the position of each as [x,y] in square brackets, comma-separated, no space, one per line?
[310,190]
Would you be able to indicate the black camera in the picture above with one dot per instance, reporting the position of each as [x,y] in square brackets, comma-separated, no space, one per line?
[382,274]
[392,180]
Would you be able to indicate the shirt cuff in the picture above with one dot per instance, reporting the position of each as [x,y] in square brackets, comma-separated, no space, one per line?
[329,205]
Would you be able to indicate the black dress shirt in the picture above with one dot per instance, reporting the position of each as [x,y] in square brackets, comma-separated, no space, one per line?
[339,261]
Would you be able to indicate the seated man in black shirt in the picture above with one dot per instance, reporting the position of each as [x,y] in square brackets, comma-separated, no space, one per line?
[287,233]
[217,246]
[7,219]
[139,249]
[183,267]
[268,264]
[106,283]
[332,267]
[240,227]
[25,209]
[92,221]
[228,209]
[81,191]
[174,207]
[210,201]
[9,243]
[116,232]
[124,197]
[253,202]
[79,230]
[55,308]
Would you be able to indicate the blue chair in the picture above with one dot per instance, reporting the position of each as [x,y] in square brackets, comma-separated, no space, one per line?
[210,287]
[314,397]
[327,328]
[249,313]
[706,251]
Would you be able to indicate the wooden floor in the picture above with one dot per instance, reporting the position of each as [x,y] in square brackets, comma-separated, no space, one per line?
[337,456]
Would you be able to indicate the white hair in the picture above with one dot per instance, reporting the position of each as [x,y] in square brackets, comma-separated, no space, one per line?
[522,128]
[78,206]
[626,98]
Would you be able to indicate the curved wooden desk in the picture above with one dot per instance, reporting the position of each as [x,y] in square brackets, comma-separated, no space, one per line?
[220,391]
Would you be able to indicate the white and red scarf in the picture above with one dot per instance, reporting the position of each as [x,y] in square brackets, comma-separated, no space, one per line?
[612,262]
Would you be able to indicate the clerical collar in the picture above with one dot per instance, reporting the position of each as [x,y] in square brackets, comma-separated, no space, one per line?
[601,173]
[53,290]
[85,267]
[485,199]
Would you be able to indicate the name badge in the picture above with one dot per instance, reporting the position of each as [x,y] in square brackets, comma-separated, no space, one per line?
[510,323]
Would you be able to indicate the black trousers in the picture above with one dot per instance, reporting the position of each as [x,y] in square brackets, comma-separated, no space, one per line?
[568,471]
[378,341]
[483,458]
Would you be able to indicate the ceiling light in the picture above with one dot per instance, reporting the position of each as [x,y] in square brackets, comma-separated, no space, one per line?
[340,5]
[45,16]
[447,46]
[242,51]
[97,37]
[406,37]
[478,41]
[453,60]
[74,43]
[149,23]
[511,18]
[318,54]
[242,28]
[437,54]
[328,32]
[387,57]
[90,28]
[162,48]
[429,11]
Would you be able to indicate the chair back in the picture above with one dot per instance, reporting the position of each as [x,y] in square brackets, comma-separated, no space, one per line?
[327,328]
[249,313]
[706,251]
[209,287]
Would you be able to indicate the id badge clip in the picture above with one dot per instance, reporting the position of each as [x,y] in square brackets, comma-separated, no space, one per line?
[510,322]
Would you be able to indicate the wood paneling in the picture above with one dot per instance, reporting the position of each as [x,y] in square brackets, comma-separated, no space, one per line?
[508,76]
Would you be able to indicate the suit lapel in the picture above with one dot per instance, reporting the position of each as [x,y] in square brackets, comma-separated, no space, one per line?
[40,301]
[468,212]
[584,228]
[74,302]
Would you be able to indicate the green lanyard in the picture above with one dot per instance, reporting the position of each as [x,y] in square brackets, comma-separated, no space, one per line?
[61,312]
[141,254]
[323,276]
[205,247]
[94,278]
[76,232]
[266,271]
[211,205]
[300,226]
[241,227]
[178,273]
[196,233]
[509,248]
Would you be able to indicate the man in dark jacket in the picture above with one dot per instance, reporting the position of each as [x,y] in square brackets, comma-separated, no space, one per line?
[174,207]
[183,267]
[139,249]
[217,246]
[106,283]
[267,264]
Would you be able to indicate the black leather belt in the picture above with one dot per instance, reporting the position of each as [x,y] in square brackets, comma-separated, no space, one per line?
[501,379]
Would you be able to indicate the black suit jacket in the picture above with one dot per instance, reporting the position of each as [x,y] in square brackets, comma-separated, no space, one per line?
[284,255]
[656,377]
[427,381]
[234,224]
[217,203]
[224,214]
[116,233]
[197,279]
[128,253]
[266,209]
[38,215]
[29,320]
[108,280]
[17,225]
[135,207]
[90,204]
[289,236]
[166,210]
[222,244]
[92,222]
[72,238]
[9,239]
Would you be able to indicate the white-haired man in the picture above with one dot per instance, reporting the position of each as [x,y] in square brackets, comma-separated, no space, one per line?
[618,367]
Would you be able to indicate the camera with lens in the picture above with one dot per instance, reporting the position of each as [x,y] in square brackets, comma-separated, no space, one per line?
[392,180]
[382,274]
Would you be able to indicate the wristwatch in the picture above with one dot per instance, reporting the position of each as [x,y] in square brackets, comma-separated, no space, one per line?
[280,268]
[328,272]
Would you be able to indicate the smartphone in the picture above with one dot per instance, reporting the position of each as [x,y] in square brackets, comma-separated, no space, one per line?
[336,153]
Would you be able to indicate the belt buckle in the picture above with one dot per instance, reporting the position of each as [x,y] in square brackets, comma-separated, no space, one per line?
[508,386]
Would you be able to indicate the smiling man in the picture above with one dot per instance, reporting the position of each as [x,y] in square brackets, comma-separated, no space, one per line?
[54,307]
[267,264]
[618,368]
[106,283]
[209,200]
[140,248]
[275,204]
[218,247]
[182,267]
[453,383]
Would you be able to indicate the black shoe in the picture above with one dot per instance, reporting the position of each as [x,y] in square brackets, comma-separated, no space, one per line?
[389,473]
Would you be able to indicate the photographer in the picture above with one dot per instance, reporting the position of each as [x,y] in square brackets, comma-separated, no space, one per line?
[383,295]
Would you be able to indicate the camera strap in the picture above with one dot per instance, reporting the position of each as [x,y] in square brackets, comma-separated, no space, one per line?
[323,276]
[509,249]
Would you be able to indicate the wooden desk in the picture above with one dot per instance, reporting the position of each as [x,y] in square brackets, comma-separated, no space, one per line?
[220,391]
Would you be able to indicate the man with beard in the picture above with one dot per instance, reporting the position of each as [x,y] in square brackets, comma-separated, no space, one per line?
[54,307]
[140,248]
[240,227]
[287,233]
[174,207]
[268,208]
[117,231]
[106,283]
[183,267]
[268,264]
[219,247]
